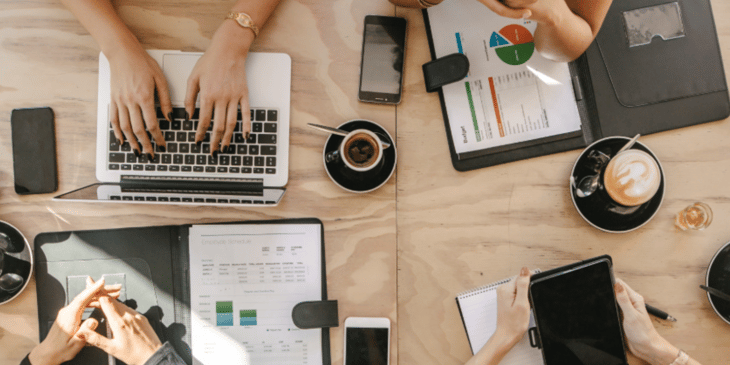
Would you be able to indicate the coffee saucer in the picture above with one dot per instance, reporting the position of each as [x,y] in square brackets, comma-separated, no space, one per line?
[597,209]
[718,277]
[389,158]
[18,259]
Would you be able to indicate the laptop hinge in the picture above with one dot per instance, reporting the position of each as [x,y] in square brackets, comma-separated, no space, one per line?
[180,184]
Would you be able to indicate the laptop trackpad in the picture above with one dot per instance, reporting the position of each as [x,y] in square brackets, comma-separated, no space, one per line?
[177,69]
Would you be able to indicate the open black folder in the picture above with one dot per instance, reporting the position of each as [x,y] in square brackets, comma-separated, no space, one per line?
[153,263]
[675,80]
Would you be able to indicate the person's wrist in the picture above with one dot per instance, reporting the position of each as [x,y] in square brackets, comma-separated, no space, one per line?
[235,37]
[150,352]
[40,355]
[505,341]
[659,352]
[120,44]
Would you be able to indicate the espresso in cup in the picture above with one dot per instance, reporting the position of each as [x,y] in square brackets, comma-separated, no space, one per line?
[361,150]
[632,178]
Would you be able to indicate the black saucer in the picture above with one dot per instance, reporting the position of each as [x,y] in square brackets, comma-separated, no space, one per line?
[718,277]
[389,159]
[597,209]
[18,259]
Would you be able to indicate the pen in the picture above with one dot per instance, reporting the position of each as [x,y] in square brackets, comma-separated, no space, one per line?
[656,312]
[716,293]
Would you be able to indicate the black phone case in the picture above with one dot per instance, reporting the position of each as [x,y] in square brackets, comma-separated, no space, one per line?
[534,332]
[41,180]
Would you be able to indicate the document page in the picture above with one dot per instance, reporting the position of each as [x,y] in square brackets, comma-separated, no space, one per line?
[244,282]
[480,319]
[512,94]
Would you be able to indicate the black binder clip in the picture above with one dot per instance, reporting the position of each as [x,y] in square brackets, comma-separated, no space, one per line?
[534,338]
[445,70]
[316,314]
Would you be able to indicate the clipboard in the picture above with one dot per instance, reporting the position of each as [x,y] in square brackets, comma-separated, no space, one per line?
[158,282]
[621,87]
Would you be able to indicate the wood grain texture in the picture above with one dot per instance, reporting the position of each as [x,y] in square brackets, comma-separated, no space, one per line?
[48,59]
[457,231]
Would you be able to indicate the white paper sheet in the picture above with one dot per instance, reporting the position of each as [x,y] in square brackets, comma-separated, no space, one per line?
[244,281]
[512,93]
[479,310]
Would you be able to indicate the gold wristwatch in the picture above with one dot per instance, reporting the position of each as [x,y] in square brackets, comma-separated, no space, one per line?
[245,21]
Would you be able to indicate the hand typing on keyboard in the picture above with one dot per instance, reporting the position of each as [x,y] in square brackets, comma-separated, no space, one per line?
[134,78]
[219,78]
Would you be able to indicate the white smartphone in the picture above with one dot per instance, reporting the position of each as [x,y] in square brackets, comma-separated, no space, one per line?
[367,341]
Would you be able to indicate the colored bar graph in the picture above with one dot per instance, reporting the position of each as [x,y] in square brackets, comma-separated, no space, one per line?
[496,107]
[224,313]
[248,317]
[473,112]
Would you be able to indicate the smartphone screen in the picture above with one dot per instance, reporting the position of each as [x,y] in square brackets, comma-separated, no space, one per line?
[381,72]
[34,151]
[366,346]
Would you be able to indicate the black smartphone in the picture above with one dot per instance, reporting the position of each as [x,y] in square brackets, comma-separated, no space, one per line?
[381,67]
[34,151]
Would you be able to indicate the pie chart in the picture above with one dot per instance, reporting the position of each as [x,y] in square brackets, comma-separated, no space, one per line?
[514,44]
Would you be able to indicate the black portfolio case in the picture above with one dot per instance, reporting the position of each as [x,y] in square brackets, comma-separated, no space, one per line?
[156,260]
[623,90]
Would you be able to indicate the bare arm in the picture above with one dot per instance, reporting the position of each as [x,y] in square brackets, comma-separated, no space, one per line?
[565,27]
[103,23]
[135,76]
[513,318]
[414,3]
[642,338]
[219,77]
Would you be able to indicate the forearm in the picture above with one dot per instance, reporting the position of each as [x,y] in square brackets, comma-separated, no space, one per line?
[103,23]
[562,36]
[239,38]
[661,352]
[414,3]
[492,352]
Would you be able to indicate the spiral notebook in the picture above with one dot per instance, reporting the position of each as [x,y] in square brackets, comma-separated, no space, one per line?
[478,310]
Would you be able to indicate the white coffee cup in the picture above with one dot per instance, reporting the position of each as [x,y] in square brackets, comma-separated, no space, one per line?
[367,139]
[632,177]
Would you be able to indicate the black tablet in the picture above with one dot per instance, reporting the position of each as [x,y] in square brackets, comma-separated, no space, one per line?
[577,315]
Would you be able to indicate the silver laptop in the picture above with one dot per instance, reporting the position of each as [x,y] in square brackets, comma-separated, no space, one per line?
[253,172]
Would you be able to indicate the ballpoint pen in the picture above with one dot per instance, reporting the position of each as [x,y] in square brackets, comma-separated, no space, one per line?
[656,312]
[716,292]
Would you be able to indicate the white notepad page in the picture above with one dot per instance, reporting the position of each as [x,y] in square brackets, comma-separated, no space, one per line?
[244,282]
[479,311]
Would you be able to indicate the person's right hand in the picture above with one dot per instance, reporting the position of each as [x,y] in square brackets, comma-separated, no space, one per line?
[642,338]
[505,11]
[135,77]
[513,308]
[134,341]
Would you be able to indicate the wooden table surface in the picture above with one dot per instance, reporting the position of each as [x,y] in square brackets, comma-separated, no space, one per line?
[403,251]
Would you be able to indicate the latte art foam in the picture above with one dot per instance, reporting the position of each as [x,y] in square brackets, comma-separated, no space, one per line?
[632,178]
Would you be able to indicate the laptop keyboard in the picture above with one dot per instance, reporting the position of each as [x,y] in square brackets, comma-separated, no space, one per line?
[255,155]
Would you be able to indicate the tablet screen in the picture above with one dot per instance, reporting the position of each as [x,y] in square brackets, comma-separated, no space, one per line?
[577,317]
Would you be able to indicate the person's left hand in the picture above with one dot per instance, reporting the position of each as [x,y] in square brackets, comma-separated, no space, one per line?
[61,344]
[513,308]
[220,79]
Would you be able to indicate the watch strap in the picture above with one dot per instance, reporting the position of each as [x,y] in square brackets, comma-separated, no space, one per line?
[244,20]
